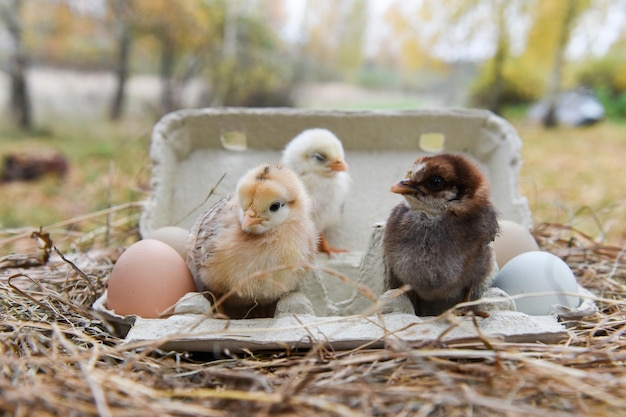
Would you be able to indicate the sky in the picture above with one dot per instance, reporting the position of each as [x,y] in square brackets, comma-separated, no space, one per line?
[596,33]
[594,36]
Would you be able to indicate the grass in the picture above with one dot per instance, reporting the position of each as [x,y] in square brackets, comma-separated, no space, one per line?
[109,165]
[576,177]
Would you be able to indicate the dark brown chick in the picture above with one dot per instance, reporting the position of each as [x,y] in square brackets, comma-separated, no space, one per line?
[439,240]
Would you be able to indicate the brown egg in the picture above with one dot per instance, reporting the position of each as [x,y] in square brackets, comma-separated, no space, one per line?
[512,239]
[147,280]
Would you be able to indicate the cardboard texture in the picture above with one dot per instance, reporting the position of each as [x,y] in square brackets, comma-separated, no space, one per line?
[342,303]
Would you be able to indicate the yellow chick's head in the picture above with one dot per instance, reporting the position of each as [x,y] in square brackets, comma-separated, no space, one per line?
[315,151]
[270,195]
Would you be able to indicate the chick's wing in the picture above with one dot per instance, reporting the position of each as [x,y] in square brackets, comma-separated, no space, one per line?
[202,237]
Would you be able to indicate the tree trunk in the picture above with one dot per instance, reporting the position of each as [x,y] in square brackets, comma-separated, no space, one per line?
[121,75]
[222,79]
[121,12]
[18,64]
[550,120]
[167,74]
[502,49]
[20,99]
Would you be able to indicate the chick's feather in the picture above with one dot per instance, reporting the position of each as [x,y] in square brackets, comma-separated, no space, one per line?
[237,247]
[317,156]
[439,240]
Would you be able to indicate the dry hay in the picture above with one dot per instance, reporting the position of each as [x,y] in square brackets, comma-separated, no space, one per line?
[60,358]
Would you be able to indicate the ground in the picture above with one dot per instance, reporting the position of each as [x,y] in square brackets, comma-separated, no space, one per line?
[59,357]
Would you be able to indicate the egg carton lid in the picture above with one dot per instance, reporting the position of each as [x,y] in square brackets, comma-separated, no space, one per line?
[193,149]
[198,155]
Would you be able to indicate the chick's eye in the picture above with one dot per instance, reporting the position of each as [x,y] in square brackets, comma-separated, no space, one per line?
[435,183]
[319,157]
[275,206]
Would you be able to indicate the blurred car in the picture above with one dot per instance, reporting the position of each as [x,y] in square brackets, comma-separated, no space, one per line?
[579,107]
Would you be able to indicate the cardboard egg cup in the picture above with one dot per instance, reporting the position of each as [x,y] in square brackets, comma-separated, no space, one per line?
[198,157]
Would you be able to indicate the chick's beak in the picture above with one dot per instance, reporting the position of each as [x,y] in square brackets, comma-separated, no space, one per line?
[338,165]
[250,219]
[404,187]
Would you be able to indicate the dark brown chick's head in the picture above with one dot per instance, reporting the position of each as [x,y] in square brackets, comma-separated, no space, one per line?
[444,183]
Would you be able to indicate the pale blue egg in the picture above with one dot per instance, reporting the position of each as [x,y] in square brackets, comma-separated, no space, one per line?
[538,272]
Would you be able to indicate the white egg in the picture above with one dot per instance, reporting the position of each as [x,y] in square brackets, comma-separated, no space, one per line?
[174,236]
[538,272]
[512,240]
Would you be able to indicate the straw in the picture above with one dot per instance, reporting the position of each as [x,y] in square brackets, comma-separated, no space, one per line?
[59,357]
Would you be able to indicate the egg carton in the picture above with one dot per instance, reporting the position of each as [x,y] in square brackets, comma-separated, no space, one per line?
[198,156]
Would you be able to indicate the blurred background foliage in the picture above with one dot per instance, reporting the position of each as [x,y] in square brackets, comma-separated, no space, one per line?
[91,77]
[257,52]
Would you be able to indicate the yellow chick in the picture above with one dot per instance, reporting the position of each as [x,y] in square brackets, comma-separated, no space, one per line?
[317,156]
[237,248]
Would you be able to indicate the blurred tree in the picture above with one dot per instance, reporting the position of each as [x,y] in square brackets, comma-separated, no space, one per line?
[68,34]
[229,43]
[528,42]
[499,57]
[122,14]
[183,31]
[331,43]
[251,68]
[436,32]
[247,64]
[10,14]
[559,16]
[520,84]
[351,35]
[606,75]
[412,36]
[499,14]
[226,58]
